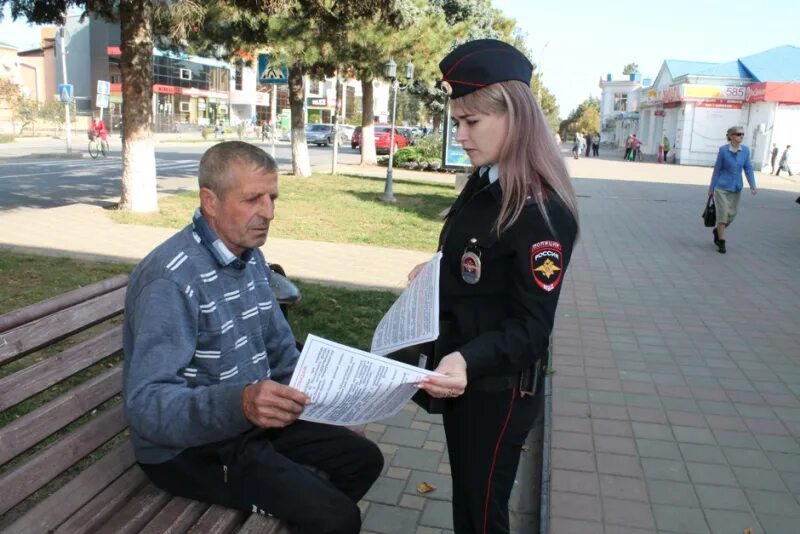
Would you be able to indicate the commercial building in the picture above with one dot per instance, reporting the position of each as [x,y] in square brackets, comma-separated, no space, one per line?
[694,103]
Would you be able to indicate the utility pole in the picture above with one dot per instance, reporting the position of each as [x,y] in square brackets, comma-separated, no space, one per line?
[63,35]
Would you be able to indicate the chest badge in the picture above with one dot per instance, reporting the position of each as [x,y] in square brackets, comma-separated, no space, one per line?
[471,263]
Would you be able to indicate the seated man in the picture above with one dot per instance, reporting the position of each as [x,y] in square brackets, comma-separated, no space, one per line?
[208,356]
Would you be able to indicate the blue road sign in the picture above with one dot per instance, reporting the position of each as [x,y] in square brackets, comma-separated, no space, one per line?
[270,73]
[65,93]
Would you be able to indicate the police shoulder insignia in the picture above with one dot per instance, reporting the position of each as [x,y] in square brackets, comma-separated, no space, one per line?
[546,264]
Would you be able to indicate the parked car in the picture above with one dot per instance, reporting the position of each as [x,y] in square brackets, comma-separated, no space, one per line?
[382,138]
[319,134]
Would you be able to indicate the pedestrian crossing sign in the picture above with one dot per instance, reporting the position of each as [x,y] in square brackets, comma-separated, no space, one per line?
[271,73]
[65,93]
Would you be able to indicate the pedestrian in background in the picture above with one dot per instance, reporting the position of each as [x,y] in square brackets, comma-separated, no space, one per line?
[667,147]
[628,147]
[596,144]
[588,139]
[726,182]
[783,164]
[576,146]
[506,244]
[773,157]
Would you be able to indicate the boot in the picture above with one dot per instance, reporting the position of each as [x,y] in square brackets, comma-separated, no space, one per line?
[716,237]
[721,245]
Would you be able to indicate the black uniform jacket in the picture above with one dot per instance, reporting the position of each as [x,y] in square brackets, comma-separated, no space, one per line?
[502,323]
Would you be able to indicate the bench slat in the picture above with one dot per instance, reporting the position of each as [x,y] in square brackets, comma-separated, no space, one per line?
[24,339]
[73,496]
[137,512]
[48,464]
[219,520]
[259,524]
[176,517]
[97,511]
[46,307]
[29,430]
[40,376]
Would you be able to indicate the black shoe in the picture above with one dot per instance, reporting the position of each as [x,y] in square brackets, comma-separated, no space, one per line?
[716,237]
[721,245]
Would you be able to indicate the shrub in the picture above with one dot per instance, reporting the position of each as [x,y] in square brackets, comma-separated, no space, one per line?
[6,138]
[430,147]
[404,155]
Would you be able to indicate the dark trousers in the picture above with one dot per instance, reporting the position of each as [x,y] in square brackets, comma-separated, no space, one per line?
[595,150]
[261,471]
[485,432]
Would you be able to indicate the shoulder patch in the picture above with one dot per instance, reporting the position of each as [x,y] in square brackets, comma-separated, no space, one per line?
[547,265]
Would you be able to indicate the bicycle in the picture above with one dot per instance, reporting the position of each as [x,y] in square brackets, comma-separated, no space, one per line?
[97,147]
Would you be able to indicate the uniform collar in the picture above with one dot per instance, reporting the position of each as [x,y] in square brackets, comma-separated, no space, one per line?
[494,172]
[730,147]
[209,239]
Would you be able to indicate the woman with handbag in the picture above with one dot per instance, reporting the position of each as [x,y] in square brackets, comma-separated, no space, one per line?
[726,182]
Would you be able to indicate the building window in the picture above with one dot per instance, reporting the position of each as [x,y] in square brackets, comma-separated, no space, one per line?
[238,76]
[620,102]
[116,78]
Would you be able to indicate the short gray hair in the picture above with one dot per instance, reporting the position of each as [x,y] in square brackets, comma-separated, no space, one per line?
[215,165]
[734,129]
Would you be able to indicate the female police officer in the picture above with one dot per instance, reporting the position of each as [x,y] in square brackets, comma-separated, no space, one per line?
[506,243]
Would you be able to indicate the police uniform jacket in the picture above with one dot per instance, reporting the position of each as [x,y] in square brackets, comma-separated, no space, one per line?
[502,323]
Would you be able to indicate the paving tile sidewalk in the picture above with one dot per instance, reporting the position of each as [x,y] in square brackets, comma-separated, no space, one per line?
[676,394]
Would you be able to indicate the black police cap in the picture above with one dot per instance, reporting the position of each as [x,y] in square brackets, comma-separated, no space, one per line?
[476,64]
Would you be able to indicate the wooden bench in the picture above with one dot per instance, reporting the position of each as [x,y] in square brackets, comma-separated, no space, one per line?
[66,463]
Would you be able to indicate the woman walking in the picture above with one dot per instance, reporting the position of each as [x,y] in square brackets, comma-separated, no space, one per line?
[726,182]
[506,244]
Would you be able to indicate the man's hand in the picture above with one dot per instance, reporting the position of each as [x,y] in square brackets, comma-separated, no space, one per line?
[415,271]
[710,194]
[453,384]
[269,404]
[753,190]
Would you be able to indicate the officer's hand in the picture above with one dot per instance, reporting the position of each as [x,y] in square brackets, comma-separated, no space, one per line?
[454,367]
[710,194]
[269,404]
[415,271]
[753,190]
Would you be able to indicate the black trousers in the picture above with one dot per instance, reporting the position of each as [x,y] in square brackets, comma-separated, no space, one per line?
[261,471]
[485,432]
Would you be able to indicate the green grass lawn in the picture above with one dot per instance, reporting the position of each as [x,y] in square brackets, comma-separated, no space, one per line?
[339,209]
[342,315]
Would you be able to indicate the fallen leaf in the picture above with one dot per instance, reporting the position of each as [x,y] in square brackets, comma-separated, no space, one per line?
[424,487]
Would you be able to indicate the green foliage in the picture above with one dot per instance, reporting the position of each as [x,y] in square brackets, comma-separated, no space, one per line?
[336,209]
[630,68]
[585,118]
[6,138]
[53,112]
[406,154]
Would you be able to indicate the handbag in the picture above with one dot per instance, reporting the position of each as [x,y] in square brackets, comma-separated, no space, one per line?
[710,213]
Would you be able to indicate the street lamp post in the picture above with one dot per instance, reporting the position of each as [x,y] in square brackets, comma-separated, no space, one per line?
[390,70]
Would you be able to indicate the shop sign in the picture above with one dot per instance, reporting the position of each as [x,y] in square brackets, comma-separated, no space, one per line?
[786,93]
[720,104]
[164,89]
[313,102]
[113,51]
[705,92]
[659,113]
[672,94]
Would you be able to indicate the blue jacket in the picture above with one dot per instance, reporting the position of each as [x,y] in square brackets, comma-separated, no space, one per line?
[728,169]
[200,324]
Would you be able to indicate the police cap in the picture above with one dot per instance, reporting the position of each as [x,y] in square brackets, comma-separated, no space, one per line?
[476,64]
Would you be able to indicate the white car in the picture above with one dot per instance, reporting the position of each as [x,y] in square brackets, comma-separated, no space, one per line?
[346,133]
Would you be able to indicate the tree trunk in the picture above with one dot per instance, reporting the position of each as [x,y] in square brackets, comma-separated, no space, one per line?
[297,93]
[437,121]
[368,155]
[138,154]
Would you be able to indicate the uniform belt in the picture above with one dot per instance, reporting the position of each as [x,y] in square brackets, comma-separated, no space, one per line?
[529,380]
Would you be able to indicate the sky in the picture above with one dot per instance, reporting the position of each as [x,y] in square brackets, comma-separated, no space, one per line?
[577,42]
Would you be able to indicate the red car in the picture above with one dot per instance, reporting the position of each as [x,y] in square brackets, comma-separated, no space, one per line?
[382,138]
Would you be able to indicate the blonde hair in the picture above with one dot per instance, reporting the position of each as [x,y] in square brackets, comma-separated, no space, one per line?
[530,160]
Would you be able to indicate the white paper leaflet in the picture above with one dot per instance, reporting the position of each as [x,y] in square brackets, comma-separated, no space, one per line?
[414,317]
[348,386]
